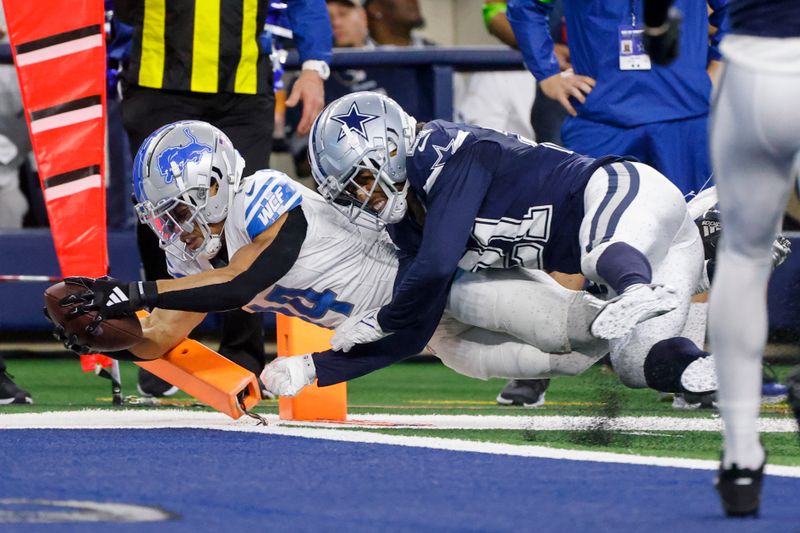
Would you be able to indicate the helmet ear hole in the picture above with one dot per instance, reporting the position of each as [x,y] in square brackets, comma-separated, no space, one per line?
[215,183]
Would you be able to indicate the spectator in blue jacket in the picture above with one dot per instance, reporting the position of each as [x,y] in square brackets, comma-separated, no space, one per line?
[618,101]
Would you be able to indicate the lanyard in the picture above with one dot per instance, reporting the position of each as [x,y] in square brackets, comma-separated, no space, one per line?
[633,14]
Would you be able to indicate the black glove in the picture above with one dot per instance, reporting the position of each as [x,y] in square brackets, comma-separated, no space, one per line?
[781,249]
[710,231]
[110,298]
[70,342]
[663,43]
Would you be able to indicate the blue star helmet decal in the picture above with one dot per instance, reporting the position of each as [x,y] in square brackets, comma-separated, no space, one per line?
[353,121]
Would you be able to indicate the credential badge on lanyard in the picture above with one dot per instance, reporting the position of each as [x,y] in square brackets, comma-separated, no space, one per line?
[631,48]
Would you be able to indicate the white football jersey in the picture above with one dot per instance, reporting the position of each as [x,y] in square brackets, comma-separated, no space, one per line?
[342,268]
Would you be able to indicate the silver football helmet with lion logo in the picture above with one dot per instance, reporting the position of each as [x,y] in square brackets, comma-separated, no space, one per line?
[359,133]
[186,173]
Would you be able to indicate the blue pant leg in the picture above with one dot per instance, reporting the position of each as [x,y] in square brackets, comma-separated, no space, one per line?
[679,150]
[596,139]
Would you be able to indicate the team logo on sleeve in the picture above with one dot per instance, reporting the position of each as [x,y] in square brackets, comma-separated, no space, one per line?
[353,121]
[180,155]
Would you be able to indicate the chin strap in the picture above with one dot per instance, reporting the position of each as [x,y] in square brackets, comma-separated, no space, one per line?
[396,206]
[213,246]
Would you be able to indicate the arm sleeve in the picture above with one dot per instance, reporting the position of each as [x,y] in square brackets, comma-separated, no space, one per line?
[453,204]
[335,367]
[311,28]
[718,19]
[270,266]
[529,20]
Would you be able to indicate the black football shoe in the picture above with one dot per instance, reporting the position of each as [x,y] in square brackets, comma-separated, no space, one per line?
[793,392]
[152,386]
[10,393]
[524,392]
[740,489]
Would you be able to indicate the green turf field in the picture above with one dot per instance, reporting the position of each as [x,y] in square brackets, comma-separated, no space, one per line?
[430,388]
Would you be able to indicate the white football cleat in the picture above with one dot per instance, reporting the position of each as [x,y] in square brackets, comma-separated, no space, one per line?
[700,377]
[638,303]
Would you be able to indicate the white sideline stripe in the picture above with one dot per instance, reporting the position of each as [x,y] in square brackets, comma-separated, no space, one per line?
[66,119]
[72,187]
[175,418]
[59,50]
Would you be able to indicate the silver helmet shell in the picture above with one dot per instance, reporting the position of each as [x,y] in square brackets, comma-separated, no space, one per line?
[362,131]
[186,173]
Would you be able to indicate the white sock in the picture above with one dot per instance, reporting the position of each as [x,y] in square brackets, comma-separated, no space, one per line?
[738,332]
[740,443]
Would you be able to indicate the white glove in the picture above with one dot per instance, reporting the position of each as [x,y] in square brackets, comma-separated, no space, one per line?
[360,329]
[286,376]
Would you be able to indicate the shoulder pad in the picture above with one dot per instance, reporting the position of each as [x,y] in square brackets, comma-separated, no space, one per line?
[268,195]
[435,146]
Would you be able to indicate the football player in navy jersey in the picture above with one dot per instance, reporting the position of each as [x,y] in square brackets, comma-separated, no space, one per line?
[460,198]
[755,149]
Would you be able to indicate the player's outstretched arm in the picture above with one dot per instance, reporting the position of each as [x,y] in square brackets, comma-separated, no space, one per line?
[162,330]
[242,262]
[255,266]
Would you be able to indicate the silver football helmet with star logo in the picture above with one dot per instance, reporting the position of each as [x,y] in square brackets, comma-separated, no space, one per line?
[360,135]
[186,173]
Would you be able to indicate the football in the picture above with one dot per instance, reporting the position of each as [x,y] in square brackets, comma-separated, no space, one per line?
[111,335]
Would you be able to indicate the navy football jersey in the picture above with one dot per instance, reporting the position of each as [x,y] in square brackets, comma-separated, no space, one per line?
[525,200]
[776,18]
[492,200]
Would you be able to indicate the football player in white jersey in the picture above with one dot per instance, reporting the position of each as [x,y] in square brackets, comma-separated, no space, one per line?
[755,148]
[292,252]
[756,167]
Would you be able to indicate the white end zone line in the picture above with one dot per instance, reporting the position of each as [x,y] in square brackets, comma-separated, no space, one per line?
[175,418]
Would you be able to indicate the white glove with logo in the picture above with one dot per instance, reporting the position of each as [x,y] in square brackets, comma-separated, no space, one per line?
[361,329]
[286,376]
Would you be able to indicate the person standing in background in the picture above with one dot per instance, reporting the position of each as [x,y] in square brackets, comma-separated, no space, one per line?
[617,100]
[392,22]
[14,143]
[200,59]
[349,23]
[547,115]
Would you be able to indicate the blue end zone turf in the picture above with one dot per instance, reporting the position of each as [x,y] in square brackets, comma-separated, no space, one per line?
[228,481]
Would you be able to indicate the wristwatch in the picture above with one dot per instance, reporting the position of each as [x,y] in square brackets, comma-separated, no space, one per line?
[320,67]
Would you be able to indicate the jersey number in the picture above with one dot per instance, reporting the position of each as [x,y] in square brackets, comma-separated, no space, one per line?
[508,242]
[309,303]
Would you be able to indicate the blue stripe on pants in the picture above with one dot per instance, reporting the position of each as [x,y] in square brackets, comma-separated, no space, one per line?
[633,190]
[613,183]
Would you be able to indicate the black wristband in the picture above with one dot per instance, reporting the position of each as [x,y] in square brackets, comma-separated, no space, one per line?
[143,294]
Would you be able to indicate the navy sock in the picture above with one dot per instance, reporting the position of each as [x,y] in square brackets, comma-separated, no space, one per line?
[667,360]
[621,265]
